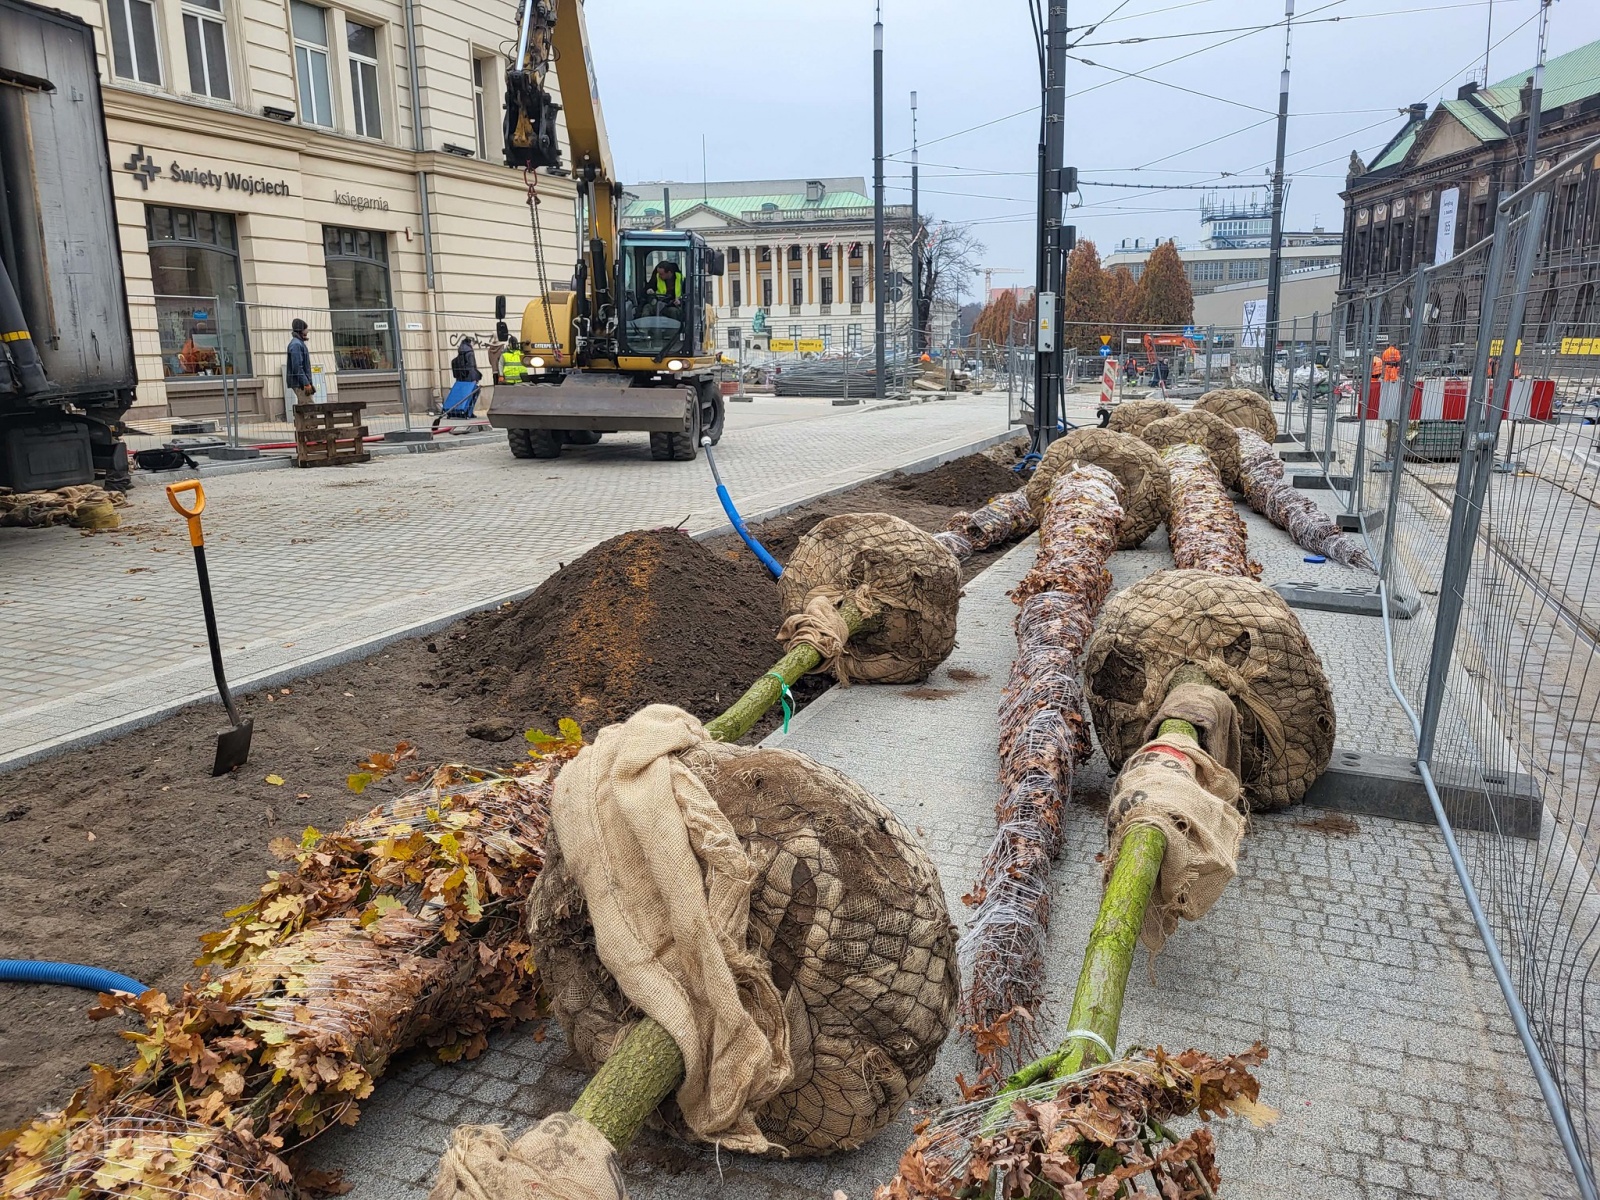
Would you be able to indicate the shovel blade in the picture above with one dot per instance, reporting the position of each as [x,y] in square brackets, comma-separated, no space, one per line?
[233,747]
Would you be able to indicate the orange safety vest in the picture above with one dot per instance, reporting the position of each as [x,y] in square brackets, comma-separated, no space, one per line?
[1391,364]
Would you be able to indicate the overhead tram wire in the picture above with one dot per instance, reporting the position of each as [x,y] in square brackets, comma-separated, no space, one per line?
[1396,12]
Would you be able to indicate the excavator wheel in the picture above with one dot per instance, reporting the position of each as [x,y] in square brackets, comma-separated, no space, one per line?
[681,447]
[713,410]
[534,443]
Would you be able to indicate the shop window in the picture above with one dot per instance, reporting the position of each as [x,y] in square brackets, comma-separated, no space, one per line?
[361,311]
[361,44]
[206,43]
[311,62]
[133,41]
[478,73]
[194,271]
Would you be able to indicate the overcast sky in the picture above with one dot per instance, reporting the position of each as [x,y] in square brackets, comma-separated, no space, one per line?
[782,90]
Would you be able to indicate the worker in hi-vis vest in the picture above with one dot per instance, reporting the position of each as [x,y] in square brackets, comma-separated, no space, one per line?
[663,292]
[511,368]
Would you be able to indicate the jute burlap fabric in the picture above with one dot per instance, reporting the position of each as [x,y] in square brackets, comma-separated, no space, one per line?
[1136,466]
[891,571]
[563,1157]
[1242,408]
[1203,429]
[1131,416]
[847,917]
[1247,640]
[667,886]
[1194,800]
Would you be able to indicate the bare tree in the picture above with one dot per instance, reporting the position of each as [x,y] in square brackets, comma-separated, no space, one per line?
[951,252]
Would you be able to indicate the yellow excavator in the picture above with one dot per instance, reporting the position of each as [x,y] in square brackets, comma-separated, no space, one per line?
[628,345]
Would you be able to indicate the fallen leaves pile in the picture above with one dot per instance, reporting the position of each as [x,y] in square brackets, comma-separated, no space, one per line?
[85,506]
[1206,531]
[1098,1135]
[1290,509]
[1044,734]
[402,929]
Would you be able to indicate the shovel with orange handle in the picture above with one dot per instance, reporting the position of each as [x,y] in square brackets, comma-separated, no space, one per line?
[233,745]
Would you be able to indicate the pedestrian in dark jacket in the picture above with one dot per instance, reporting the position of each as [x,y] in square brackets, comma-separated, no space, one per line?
[299,371]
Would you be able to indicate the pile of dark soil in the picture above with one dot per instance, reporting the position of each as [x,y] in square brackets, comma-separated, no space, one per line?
[961,483]
[123,853]
[647,616]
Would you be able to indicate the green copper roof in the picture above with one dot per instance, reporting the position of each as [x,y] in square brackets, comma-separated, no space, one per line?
[1396,151]
[737,206]
[1478,123]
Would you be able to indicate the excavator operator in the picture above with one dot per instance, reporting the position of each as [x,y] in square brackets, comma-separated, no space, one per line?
[663,292]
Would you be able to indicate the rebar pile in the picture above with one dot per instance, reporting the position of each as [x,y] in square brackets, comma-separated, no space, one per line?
[1204,528]
[1044,735]
[1286,506]
[853,377]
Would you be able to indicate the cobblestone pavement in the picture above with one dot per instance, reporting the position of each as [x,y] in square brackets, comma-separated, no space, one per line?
[311,564]
[1345,947]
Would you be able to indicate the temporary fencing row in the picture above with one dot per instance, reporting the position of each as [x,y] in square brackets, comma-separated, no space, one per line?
[1469,466]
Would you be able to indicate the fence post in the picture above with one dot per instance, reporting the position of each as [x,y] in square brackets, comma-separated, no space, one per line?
[1335,373]
[1395,439]
[400,360]
[1477,450]
[1211,336]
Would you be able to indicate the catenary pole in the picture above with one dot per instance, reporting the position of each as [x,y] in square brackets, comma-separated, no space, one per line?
[1275,260]
[916,245]
[1052,248]
[877,204]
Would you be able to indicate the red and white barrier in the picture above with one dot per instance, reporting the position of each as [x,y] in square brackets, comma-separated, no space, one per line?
[1440,399]
[1108,381]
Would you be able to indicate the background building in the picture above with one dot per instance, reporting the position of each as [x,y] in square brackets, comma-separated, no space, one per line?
[1448,170]
[340,164]
[1235,249]
[800,255]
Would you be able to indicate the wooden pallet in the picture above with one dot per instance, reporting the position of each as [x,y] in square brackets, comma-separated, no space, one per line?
[330,435]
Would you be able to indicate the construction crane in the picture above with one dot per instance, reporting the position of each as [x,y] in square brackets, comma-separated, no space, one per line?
[988,278]
[629,346]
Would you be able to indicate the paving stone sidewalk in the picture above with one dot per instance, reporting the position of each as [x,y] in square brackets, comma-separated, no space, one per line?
[1345,946]
[311,564]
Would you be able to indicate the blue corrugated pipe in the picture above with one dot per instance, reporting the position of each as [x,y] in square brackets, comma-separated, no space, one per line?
[95,979]
[756,548]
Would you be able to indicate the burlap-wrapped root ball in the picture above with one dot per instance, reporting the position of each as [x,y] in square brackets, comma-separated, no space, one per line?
[1131,416]
[1137,467]
[1246,638]
[1203,429]
[1243,409]
[894,573]
[847,913]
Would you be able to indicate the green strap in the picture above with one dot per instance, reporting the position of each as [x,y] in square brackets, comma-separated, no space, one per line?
[786,696]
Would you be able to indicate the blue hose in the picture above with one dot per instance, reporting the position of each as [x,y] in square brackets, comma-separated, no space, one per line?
[95,979]
[739,527]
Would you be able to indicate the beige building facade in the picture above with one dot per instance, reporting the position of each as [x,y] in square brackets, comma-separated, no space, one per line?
[276,159]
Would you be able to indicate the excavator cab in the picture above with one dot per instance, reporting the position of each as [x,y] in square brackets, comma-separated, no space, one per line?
[661,285]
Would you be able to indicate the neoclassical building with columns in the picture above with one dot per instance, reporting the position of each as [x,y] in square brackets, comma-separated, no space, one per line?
[800,253]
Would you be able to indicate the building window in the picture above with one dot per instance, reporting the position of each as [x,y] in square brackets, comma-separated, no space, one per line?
[478,73]
[1208,271]
[825,332]
[794,254]
[765,253]
[194,272]
[733,337]
[766,292]
[796,332]
[311,62]
[797,291]
[206,42]
[736,290]
[827,289]
[133,41]
[358,295]
[825,253]
[361,41]
[852,337]
[856,289]
[733,256]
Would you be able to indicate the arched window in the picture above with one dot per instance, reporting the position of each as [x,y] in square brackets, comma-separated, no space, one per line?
[358,295]
[194,270]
